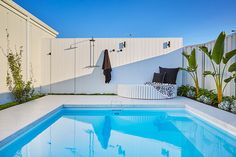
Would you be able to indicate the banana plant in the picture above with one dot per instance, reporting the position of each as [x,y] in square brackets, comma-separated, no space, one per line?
[219,61]
[192,68]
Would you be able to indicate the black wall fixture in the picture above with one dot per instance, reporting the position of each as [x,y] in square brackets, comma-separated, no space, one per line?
[122,46]
[166,45]
[113,50]
[120,50]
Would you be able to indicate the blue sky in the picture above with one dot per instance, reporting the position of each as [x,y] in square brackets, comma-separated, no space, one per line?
[196,21]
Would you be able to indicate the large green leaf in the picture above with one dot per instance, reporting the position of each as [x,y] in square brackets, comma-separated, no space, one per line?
[192,64]
[192,60]
[218,50]
[232,67]
[205,50]
[205,73]
[229,55]
[228,79]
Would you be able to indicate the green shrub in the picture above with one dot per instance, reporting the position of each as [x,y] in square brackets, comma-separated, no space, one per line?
[229,98]
[209,97]
[192,70]
[210,94]
[183,90]
[21,90]
[205,99]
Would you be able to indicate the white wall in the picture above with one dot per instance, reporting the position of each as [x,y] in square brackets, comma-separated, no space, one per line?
[27,31]
[204,64]
[135,64]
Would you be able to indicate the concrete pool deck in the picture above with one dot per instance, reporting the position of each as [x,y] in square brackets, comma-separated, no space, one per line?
[18,117]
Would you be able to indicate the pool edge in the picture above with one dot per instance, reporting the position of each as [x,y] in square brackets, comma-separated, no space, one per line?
[7,140]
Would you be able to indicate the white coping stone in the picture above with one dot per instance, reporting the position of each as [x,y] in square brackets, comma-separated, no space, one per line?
[18,117]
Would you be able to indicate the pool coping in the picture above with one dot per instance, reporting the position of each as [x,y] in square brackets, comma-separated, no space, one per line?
[219,118]
[28,127]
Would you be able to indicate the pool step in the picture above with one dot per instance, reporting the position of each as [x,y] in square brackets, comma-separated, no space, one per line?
[117,107]
[116,111]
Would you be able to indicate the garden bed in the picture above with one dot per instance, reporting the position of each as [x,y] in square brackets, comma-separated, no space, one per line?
[208,97]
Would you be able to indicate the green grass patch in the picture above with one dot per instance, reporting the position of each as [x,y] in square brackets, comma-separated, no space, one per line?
[14,103]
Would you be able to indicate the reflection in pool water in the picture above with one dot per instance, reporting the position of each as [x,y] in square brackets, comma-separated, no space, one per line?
[130,134]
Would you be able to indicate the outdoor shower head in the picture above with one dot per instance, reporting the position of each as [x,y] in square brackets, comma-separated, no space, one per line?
[74,47]
[71,48]
[92,39]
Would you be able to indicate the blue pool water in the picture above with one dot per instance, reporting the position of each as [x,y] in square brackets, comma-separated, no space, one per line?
[122,133]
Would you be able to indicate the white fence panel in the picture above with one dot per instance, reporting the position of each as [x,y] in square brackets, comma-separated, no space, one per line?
[24,30]
[69,68]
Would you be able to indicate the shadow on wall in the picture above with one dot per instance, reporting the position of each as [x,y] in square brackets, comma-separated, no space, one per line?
[134,73]
[6,97]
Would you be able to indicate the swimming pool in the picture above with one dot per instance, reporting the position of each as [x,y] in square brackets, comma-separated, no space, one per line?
[79,132]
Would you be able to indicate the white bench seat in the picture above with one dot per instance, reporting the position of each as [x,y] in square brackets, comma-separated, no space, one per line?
[141,91]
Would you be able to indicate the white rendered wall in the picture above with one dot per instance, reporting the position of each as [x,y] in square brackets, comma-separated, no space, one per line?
[204,64]
[135,64]
[27,31]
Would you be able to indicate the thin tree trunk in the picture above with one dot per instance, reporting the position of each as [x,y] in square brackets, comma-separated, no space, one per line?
[196,88]
[219,93]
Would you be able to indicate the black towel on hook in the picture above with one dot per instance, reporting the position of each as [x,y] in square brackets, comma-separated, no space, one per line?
[106,66]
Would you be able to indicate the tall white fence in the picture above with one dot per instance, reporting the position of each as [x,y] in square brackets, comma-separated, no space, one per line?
[204,64]
[24,30]
[66,70]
